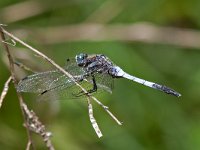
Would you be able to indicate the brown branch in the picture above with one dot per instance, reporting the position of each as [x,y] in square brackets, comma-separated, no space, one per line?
[5,90]
[107,110]
[59,68]
[93,120]
[34,125]
[28,146]
[21,102]
[139,32]
[23,106]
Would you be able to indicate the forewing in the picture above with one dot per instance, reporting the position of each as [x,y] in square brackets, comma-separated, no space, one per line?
[40,82]
[72,67]
[58,86]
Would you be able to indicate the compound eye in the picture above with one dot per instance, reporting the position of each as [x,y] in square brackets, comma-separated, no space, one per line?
[82,56]
[80,59]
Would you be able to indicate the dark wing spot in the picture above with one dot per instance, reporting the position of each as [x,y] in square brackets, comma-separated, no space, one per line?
[43,92]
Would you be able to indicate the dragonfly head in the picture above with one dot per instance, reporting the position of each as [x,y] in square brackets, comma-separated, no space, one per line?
[81,59]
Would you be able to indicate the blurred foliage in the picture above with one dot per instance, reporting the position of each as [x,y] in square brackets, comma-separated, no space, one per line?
[152,119]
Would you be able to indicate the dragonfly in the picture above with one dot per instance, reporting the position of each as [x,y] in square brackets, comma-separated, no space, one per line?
[96,70]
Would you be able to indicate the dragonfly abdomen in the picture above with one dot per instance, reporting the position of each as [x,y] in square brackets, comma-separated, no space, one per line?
[117,71]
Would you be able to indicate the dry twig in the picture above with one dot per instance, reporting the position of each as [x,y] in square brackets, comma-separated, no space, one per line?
[28,146]
[5,90]
[138,32]
[93,120]
[15,81]
[61,69]
[21,101]
[106,109]
[34,125]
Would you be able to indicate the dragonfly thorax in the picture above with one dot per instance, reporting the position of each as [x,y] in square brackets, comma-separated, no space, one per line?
[97,63]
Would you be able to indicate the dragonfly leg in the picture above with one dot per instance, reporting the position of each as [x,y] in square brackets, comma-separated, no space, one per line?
[94,89]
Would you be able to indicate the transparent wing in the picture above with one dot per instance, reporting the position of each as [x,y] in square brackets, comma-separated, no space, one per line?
[50,80]
[72,67]
[104,82]
[70,92]
[40,82]
[58,86]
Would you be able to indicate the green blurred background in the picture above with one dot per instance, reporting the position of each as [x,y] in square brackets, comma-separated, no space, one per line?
[152,119]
